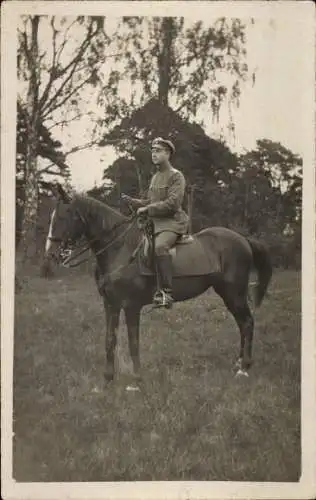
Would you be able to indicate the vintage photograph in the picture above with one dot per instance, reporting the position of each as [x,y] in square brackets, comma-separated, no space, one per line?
[159,168]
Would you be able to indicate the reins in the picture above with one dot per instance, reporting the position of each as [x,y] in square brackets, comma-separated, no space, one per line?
[131,221]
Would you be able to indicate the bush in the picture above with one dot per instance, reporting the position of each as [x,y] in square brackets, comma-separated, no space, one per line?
[285,251]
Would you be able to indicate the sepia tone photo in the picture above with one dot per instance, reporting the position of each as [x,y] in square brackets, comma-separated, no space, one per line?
[161,206]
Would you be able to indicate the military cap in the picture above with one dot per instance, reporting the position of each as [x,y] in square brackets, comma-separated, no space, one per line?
[163,142]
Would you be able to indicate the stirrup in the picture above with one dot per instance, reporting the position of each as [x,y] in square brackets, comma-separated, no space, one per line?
[162,299]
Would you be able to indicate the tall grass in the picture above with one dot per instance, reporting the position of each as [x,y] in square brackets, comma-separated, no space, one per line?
[192,419]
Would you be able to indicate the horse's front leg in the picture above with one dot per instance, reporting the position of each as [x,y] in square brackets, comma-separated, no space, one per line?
[132,316]
[112,320]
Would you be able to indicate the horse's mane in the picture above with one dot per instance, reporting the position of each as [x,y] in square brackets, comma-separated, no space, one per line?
[94,207]
[97,210]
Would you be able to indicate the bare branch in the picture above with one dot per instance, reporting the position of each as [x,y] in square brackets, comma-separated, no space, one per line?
[48,107]
[52,23]
[82,50]
[96,125]
[47,171]
[73,65]
[52,75]
[81,148]
[62,45]
[66,98]
[182,105]
[41,57]
[65,122]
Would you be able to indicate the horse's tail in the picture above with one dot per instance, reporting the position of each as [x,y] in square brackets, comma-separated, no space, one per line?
[263,265]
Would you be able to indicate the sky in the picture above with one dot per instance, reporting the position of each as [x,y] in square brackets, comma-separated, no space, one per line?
[272,108]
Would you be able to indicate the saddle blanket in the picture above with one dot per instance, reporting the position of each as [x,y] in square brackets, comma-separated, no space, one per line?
[188,257]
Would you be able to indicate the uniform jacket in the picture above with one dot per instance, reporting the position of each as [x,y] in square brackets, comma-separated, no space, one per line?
[164,201]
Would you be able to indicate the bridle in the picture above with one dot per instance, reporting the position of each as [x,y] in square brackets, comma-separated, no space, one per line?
[67,252]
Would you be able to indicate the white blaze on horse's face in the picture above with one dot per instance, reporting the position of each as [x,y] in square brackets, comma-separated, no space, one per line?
[50,232]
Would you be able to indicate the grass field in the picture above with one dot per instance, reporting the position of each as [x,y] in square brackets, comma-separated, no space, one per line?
[192,420]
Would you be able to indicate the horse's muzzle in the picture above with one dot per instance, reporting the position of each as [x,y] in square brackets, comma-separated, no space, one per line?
[65,255]
[53,250]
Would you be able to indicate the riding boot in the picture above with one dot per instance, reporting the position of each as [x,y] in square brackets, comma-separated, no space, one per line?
[163,297]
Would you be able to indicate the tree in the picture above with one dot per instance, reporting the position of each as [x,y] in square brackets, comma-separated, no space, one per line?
[206,163]
[173,66]
[277,172]
[51,82]
[268,194]
[188,66]
[48,149]
[32,112]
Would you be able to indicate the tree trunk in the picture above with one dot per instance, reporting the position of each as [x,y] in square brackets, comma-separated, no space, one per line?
[31,180]
[164,60]
[30,207]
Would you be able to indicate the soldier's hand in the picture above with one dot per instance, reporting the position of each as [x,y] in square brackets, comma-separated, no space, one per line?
[126,197]
[142,211]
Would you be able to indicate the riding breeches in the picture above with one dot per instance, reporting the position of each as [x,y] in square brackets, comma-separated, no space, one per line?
[164,241]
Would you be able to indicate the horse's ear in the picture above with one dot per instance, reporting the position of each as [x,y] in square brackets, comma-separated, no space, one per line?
[59,193]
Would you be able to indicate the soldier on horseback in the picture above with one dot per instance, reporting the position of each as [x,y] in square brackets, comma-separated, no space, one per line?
[164,206]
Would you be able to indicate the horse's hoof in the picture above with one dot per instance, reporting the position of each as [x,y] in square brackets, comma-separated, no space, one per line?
[242,373]
[132,388]
[96,390]
[238,363]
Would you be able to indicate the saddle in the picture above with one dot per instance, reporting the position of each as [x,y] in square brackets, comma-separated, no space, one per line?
[188,256]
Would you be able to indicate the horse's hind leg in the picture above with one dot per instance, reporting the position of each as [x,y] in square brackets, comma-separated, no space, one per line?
[235,299]
[245,323]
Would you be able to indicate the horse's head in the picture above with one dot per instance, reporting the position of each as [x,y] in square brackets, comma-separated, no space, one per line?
[66,225]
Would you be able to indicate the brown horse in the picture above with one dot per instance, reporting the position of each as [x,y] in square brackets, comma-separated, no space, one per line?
[216,257]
